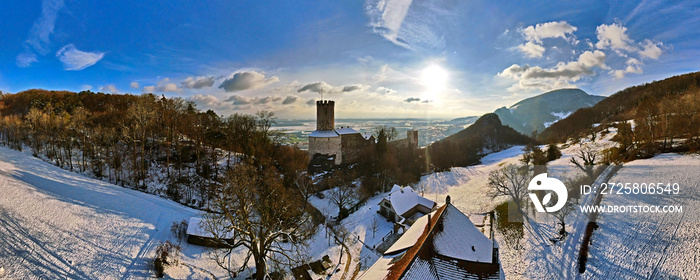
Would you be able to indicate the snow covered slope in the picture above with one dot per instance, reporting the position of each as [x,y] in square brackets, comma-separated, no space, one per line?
[651,245]
[56,224]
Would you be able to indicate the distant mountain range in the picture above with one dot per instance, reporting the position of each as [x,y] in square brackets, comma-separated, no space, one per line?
[539,112]
[677,96]
[536,113]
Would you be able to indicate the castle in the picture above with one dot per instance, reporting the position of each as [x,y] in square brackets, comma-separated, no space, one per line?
[343,145]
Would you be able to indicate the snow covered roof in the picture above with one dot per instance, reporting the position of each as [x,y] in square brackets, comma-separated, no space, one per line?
[333,133]
[410,237]
[455,249]
[323,133]
[196,227]
[405,199]
[460,239]
[345,130]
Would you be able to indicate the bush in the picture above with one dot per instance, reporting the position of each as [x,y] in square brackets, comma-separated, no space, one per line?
[166,254]
[160,270]
[553,152]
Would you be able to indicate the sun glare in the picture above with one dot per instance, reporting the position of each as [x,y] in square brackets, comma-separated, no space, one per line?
[434,78]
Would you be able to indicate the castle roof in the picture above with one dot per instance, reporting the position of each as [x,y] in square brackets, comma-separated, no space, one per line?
[324,133]
[345,130]
[333,133]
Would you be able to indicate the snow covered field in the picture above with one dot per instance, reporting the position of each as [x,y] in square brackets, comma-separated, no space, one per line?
[56,224]
[624,247]
[651,245]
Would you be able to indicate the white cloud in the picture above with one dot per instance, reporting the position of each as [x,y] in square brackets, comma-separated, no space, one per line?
[634,66]
[385,90]
[86,87]
[318,87]
[247,80]
[243,100]
[554,29]
[355,87]
[532,50]
[164,85]
[559,76]
[409,24]
[26,59]
[533,34]
[134,85]
[651,49]
[168,87]
[614,36]
[109,89]
[39,35]
[387,16]
[238,100]
[74,59]
[198,82]
[210,101]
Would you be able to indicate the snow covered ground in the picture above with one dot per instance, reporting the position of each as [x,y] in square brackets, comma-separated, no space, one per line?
[56,224]
[651,245]
[59,224]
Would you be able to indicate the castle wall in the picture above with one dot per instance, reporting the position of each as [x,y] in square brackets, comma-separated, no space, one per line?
[326,146]
[352,146]
[411,140]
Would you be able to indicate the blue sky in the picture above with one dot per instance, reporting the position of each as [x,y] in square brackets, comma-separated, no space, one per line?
[370,56]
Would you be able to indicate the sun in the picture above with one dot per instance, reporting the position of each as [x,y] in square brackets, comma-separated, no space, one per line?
[434,78]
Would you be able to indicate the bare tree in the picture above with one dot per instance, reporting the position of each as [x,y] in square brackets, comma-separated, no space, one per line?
[390,132]
[588,159]
[421,187]
[374,226]
[561,219]
[510,181]
[254,210]
[304,185]
[343,192]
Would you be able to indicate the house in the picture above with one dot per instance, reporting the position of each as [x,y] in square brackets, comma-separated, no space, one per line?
[444,244]
[404,206]
[198,234]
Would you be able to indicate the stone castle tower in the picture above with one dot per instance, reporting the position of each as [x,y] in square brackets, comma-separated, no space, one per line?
[325,115]
[343,145]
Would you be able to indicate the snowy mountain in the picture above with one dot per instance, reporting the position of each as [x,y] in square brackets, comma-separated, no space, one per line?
[539,112]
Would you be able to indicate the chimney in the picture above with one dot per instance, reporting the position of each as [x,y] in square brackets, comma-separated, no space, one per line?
[448,200]
[429,221]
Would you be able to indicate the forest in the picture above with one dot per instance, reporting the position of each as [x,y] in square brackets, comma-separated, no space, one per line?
[159,145]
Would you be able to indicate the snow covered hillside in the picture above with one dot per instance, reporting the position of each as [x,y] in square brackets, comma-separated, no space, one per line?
[625,246]
[56,224]
[651,245]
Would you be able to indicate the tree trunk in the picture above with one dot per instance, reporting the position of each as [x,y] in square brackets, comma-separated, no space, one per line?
[260,268]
